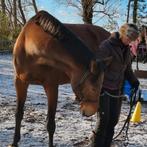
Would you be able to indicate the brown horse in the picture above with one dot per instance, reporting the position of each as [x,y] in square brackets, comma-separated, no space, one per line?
[49,53]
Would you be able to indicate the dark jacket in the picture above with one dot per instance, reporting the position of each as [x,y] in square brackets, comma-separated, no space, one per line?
[120,67]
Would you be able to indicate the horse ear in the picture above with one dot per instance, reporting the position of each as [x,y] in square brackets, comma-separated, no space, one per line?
[93,66]
[100,64]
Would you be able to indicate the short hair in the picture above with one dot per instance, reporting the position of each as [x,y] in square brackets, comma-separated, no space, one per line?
[129,30]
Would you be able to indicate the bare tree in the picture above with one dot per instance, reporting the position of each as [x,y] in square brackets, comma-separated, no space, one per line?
[15,13]
[135,11]
[88,9]
[3,7]
[87,6]
[21,12]
[93,11]
[128,10]
[139,12]
[18,10]
[142,13]
[9,12]
[35,6]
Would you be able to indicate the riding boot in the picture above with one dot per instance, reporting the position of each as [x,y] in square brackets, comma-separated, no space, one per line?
[108,140]
[97,141]
[99,136]
[100,141]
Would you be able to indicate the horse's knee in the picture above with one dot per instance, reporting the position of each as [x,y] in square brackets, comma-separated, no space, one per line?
[21,89]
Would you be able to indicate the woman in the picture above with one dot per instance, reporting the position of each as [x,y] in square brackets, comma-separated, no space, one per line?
[117,46]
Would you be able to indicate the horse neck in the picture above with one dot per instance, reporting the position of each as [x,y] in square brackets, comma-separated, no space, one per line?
[70,66]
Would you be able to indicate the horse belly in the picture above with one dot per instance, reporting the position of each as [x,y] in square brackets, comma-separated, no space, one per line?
[42,74]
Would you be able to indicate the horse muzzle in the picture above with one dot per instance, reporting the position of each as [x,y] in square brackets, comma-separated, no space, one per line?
[88,108]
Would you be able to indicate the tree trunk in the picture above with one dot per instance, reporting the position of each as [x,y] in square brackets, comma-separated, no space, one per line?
[135,11]
[3,7]
[35,6]
[128,11]
[87,6]
[21,11]
[15,13]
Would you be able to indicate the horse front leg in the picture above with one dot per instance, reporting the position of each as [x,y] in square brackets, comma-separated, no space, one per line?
[52,94]
[21,93]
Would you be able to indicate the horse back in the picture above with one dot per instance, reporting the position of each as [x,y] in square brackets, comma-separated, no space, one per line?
[35,48]
[91,35]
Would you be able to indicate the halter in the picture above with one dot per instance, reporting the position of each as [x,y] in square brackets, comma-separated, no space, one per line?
[83,78]
[102,66]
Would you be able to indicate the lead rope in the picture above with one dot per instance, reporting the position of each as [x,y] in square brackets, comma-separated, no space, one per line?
[127,122]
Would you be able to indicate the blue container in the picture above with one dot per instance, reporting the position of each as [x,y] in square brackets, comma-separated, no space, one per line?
[127,89]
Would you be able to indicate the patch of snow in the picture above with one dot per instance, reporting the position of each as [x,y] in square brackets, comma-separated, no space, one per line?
[71,127]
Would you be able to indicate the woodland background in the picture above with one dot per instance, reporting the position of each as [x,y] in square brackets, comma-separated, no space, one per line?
[15,13]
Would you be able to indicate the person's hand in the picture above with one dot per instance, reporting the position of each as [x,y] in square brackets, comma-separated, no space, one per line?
[135,86]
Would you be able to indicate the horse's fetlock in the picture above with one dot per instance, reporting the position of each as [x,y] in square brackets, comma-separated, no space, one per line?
[12,145]
[51,126]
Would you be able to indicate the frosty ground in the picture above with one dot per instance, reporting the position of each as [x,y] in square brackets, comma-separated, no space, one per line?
[72,129]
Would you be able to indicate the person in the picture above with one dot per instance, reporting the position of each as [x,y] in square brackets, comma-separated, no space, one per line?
[142,46]
[117,47]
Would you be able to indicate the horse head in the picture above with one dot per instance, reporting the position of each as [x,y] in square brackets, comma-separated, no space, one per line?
[89,86]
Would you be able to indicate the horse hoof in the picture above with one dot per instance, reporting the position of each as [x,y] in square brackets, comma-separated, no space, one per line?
[11,145]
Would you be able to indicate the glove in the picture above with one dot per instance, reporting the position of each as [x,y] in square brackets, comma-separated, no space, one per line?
[135,86]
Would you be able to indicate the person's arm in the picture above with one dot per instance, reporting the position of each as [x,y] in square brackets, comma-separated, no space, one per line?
[104,50]
[130,76]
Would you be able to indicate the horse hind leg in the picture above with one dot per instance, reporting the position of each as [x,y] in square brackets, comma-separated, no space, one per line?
[21,93]
[52,94]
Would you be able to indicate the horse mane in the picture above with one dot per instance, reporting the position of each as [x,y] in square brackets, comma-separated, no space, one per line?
[69,40]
